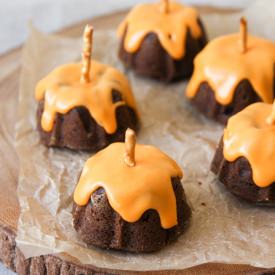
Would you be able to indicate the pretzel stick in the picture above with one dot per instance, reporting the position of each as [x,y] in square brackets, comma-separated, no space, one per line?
[243,33]
[130,144]
[166,6]
[86,54]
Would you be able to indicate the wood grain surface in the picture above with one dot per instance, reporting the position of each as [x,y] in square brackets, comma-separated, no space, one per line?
[9,207]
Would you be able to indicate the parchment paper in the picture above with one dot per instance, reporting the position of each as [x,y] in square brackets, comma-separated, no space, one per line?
[222,229]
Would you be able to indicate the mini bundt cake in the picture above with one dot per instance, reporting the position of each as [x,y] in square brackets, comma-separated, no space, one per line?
[160,40]
[245,159]
[232,72]
[138,206]
[85,106]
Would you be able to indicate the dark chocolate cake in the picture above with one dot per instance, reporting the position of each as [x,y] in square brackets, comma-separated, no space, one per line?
[99,225]
[160,40]
[237,177]
[229,76]
[138,206]
[84,106]
[245,158]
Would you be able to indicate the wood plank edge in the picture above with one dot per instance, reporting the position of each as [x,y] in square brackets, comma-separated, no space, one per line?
[13,259]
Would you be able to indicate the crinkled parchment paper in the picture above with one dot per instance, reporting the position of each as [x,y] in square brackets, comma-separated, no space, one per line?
[222,228]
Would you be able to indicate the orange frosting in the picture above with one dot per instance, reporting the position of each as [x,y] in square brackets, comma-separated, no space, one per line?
[63,91]
[132,190]
[171,27]
[223,65]
[248,134]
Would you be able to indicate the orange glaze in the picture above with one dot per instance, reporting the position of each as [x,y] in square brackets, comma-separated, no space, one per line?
[171,27]
[63,91]
[223,65]
[132,190]
[249,135]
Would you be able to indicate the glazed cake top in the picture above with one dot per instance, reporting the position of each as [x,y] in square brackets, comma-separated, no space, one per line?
[132,187]
[62,91]
[170,22]
[223,65]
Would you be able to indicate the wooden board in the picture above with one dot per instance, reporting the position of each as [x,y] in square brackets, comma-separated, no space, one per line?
[9,207]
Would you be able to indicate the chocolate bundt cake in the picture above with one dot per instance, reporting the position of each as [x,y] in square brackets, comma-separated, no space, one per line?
[138,206]
[245,158]
[226,79]
[85,106]
[161,44]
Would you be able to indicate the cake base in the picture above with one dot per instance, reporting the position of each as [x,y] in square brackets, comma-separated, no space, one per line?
[206,103]
[77,130]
